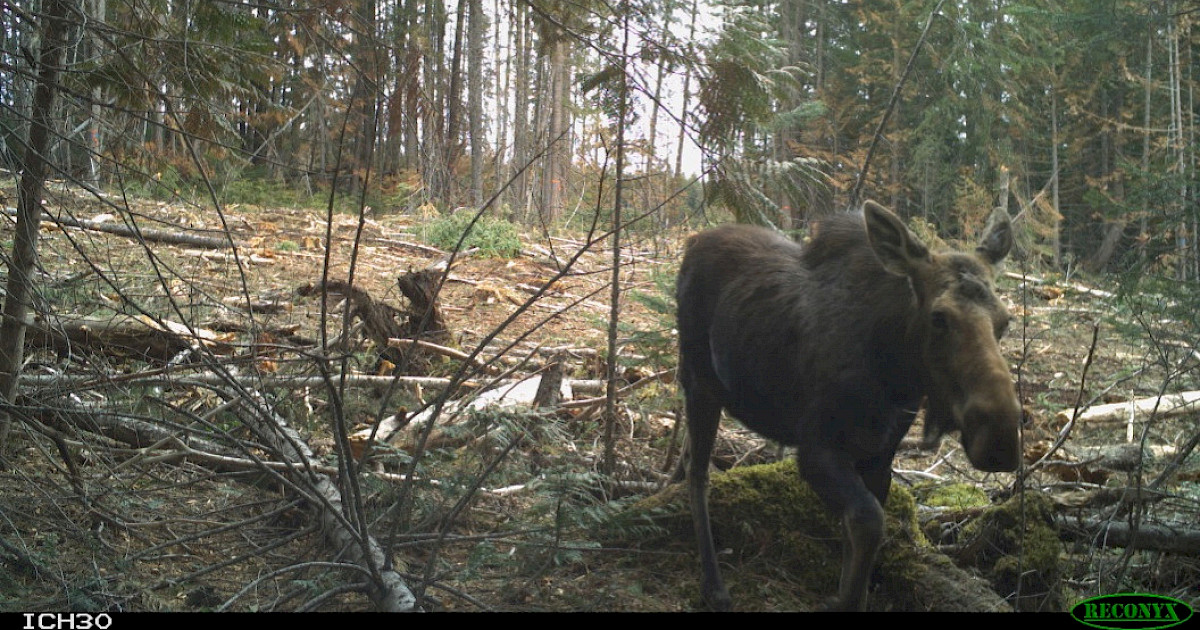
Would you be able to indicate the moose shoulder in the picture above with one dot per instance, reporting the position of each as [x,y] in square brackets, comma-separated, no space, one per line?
[830,347]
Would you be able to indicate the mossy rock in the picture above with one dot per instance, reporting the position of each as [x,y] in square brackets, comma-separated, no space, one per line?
[777,532]
[1016,544]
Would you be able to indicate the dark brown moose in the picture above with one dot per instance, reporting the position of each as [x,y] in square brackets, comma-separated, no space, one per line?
[830,347]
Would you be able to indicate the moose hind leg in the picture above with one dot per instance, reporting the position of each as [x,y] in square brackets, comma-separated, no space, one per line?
[840,487]
[704,416]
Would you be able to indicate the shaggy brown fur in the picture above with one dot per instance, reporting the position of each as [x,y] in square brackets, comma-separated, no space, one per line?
[831,347]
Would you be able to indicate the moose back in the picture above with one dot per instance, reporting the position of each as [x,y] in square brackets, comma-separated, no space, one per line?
[831,347]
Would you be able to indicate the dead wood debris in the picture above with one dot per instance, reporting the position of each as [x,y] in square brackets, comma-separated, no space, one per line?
[1137,410]
[1142,536]
[123,335]
[1050,291]
[388,589]
[107,226]
[382,323]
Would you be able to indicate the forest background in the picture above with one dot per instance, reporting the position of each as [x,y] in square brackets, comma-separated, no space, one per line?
[1082,109]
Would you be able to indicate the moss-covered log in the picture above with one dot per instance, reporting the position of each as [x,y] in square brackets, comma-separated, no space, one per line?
[774,528]
[1017,545]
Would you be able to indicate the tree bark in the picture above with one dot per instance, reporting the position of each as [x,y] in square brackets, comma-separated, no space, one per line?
[19,291]
[454,135]
[434,148]
[520,115]
[558,154]
[365,97]
[614,315]
[687,88]
[476,29]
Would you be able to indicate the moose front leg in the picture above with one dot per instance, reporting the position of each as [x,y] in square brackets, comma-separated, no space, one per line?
[833,477]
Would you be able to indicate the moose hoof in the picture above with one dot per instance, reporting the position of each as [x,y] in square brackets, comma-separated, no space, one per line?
[837,604]
[718,601]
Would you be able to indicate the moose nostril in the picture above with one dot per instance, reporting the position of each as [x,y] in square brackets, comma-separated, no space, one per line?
[1001,460]
[991,438]
[993,454]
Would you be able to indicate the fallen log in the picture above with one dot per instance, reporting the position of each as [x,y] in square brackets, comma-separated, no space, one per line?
[1078,288]
[140,337]
[410,344]
[258,381]
[389,592]
[1147,536]
[139,233]
[804,543]
[504,395]
[71,419]
[1138,409]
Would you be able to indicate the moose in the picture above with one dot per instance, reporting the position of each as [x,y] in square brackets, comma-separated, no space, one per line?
[831,347]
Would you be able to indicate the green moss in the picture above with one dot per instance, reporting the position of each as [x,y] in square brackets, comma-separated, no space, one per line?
[1017,544]
[959,496]
[959,499]
[773,523]
[768,510]
[901,507]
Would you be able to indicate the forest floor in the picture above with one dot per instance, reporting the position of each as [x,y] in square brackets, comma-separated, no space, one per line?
[135,529]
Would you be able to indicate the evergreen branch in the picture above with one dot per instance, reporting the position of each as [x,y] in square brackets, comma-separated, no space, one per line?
[862,173]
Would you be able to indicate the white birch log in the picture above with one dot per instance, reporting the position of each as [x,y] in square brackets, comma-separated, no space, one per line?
[1138,409]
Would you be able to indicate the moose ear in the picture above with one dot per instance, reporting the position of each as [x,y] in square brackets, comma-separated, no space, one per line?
[900,251]
[997,237]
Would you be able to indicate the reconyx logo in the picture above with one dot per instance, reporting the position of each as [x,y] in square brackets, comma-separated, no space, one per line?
[1126,611]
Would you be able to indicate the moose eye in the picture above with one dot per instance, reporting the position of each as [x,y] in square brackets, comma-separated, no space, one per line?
[940,320]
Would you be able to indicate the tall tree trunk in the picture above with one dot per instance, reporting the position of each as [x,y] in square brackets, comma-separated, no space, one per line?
[435,175]
[687,85]
[614,316]
[1188,159]
[520,113]
[365,98]
[502,35]
[558,155]
[477,28]
[411,71]
[895,148]
[1113,227]
[18,302]
[778,139]
[395,115]
[1185,238]
[1056,236]
[454,108]
[656,99]
[95,141]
